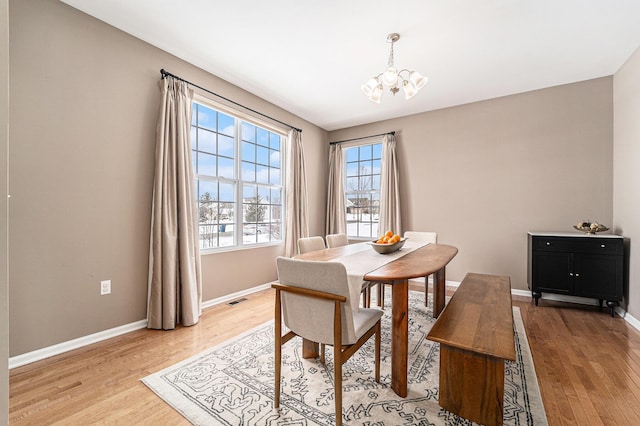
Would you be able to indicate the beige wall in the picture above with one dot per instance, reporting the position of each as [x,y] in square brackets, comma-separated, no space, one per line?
[4,145]
[483,174]
[84,101]
[626,162]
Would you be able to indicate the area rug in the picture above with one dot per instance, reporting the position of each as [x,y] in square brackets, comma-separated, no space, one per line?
[232,383]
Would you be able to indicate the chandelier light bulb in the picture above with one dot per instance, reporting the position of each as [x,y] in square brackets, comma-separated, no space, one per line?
[369,86]
[377,94]
[409,90]
[417,80]
[390,76]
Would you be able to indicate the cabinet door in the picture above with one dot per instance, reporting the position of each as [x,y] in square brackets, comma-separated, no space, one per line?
[551,272]
[598,276]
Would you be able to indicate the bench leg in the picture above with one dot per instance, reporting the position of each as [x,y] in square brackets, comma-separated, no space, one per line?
[471,385]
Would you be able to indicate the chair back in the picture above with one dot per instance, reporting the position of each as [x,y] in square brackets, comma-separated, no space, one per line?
[307,244]
[337,240]
[310,317]
[423,237]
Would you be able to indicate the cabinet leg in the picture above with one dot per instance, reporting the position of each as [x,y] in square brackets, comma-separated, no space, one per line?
[536,296]
[612,305]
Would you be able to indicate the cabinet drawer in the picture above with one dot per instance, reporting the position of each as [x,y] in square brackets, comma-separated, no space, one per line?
[579,245]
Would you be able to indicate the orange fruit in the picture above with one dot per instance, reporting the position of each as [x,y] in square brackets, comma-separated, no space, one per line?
[388,234]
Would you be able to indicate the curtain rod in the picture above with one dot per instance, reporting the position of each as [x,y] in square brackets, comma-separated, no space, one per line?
[167,73]
[364,137]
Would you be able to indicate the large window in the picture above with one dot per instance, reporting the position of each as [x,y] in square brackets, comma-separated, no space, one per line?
[362,190]
[238,179]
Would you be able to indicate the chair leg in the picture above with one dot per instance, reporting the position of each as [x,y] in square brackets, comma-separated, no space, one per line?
[377,350]
[366,297]
[426,291]
[322,353]
[337,372]
[381,295]
[278,350]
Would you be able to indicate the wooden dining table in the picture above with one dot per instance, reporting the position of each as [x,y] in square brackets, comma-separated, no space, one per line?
[430,259]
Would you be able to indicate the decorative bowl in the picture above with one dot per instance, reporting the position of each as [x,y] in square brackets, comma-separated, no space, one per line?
[590,228]
[388,248]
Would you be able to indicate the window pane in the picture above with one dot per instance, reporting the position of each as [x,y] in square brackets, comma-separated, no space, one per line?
[248,152]
[376,183]
[226,124]
[274,176]
[365,183]
[248,132]
[249,192]
[274,141]
[206,164]
[262,155]
[264,196]
[351,184]
[376,166]
[206,141]
[225,146]
[248,172]
[263,137]
[227,192]
[352,169]
[226,167]
[206,118]
[352,154]
[274,158]
[207,191]
[366,152]
[377,151]
[262,174]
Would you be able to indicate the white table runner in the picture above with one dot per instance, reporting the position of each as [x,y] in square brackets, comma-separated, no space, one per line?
[366,260]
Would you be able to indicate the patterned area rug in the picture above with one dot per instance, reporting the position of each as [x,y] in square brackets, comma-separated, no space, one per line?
[232,384]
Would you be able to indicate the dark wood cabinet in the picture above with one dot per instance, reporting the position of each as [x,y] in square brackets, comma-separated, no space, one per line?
[576,265]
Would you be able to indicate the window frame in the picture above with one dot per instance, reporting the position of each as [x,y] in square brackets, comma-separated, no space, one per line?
[346,191]
[240,117]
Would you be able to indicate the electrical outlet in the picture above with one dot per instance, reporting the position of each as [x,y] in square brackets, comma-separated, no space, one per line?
[105,287]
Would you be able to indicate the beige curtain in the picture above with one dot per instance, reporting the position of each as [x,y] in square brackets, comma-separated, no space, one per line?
[175,280]
[297,204]
[389,188]
[336,212]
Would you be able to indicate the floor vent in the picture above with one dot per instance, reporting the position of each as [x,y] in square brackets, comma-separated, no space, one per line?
[235,302]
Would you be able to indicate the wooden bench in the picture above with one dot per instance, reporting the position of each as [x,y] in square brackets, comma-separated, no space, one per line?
[475,332]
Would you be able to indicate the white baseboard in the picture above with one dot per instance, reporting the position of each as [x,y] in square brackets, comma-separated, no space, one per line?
[634,322]
[40,354]
[233,296]
[37,355]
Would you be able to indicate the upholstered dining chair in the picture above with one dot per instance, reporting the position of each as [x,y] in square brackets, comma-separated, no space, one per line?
[423,237]
[307,244]
[313,300]
[339,240]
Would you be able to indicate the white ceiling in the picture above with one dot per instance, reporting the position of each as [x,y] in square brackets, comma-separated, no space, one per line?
[311,57]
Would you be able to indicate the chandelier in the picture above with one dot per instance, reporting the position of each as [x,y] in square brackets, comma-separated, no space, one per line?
[411,82]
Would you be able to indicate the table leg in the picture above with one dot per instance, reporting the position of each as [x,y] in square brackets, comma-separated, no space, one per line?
[399,336]
[438,292]
[309,349]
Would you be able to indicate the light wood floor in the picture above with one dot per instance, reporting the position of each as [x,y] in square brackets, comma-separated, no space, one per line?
[588,367]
